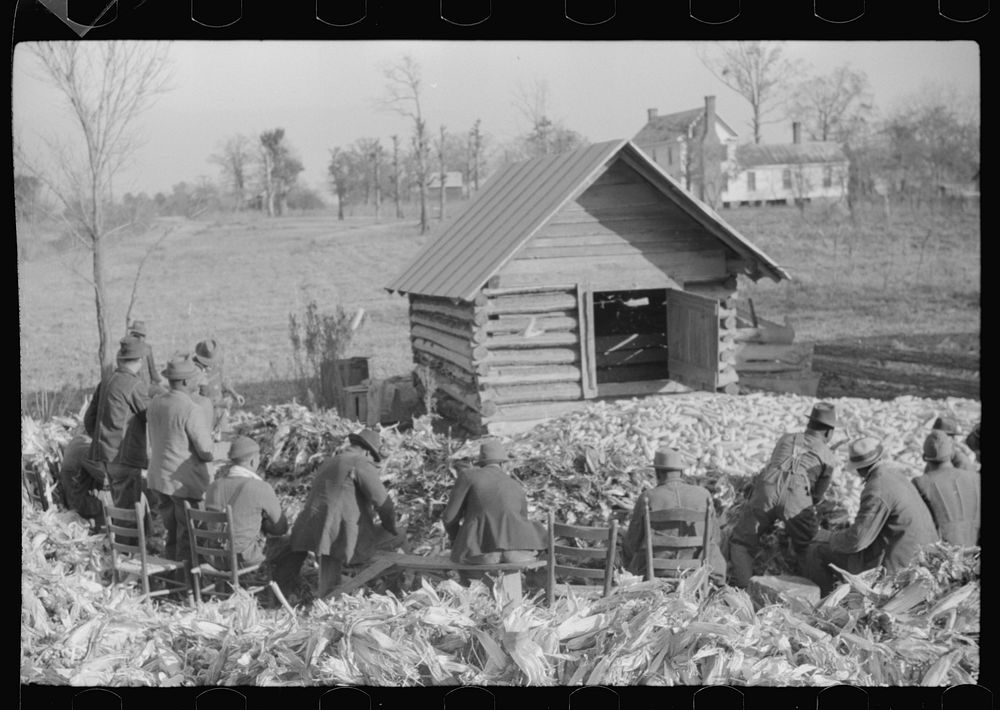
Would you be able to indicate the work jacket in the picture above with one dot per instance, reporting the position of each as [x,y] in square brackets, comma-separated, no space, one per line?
[953,496]
[180,446]
[488,512]
[116,401]
[336,519]
[673,494]
[892,523]
[256,510]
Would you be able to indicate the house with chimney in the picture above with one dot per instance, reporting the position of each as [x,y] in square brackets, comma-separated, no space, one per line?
[713,166]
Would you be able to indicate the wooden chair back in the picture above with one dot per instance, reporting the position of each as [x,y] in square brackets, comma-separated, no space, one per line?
[213,552]
[34,485]
[675,529]
[557,551]
[138,559]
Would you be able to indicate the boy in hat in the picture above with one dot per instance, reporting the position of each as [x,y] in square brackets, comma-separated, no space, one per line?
[951,493]
[794,480]
[117,402]
[671,492]
[959,459]
[891,525]
[181,450]
[487,514]
[209,357]
[256,510]
[336,520]
[148,372]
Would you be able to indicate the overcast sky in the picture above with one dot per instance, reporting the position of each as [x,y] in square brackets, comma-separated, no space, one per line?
[324,94]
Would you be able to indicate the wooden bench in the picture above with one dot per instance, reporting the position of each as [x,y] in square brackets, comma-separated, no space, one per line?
[386,562]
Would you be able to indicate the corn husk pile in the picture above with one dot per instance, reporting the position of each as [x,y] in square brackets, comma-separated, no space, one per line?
[919,626]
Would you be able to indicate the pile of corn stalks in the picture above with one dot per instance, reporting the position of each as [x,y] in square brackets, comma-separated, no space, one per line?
[920,626]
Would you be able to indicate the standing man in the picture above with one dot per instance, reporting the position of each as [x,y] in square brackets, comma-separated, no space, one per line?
[336,520]
[959,459]
[487,514]
[951,493]
[891,525]
[793,481]
[671,493]
[118,400]
[256,510]
[180,452]
[209,357]
[148,372]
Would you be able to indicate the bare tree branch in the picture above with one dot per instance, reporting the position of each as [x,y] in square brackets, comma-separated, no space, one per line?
[138,273]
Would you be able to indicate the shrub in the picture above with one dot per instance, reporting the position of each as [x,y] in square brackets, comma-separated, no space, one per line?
[319,338]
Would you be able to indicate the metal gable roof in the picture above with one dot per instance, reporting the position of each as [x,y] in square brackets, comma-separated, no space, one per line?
[672,125]
[752,155]
[519,201]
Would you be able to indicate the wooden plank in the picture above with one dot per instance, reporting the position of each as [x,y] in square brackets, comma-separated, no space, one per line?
[454,371]
[681,265]
[540,356]
[633,357]
[589,344]
[535,410]
[635,278]
[693,340]
[495,292]
[786,352]
[632,373]
[455,344]
[543,340]
[765,334]
[453,410]
[459,393]
[622,248]
[451,326]
[477,316]
[773,366]
[530,374]
[530,304]
[442,564]
[597,235]
[376,569]
[511,394]
[636,341]
[641,389]
[557,320]
[440,352]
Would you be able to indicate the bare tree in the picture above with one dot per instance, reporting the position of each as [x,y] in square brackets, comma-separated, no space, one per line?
[475,153]
[236,159]
[443,174]
[280,169]
[107,86]
[828,105]
[340,173]
[533,104]
[756,70]
[376,159]
[395,176]
[403,93]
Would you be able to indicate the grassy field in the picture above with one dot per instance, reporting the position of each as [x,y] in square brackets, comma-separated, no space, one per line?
[237,279]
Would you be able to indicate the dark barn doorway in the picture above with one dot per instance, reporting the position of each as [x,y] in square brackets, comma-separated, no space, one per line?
[630,335]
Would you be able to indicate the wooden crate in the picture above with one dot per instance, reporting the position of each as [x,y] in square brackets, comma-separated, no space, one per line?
[355,403]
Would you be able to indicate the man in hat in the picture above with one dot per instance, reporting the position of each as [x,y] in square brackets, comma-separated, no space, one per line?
[118,400]
[671,493]
[336,521]
[181,450]
[148,372]
[209,357]
[891,525]
[959,459]
[951,493]
[487,514]
[256,510]
[793,481]
[972,440]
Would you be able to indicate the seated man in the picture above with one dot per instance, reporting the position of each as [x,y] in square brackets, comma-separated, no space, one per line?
[256,510]
[76,483]
[953,494]
[959,458]
[487,515]
[670,493]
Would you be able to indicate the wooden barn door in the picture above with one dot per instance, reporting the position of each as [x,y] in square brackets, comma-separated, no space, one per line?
[693,340]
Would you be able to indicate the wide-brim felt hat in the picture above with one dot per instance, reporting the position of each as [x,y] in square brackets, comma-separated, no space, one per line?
[181,367]
[823,414]
[131,348]
[946,424]
[370,440]
[243,447]
[138,326]
[493,452]
[938,447]
[669,460]
[205,352]
[863,452]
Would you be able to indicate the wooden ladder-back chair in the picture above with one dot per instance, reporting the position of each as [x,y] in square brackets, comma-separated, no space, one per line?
[34,484]
[607,535]
[213,554]
[138,560]
[664,530]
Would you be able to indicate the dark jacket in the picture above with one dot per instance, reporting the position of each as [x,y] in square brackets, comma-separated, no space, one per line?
[76,485]
[134,450]
[892,523]
[673,493]
[180,446]
[336,519]
[116,401]
[953,496]
[488,512]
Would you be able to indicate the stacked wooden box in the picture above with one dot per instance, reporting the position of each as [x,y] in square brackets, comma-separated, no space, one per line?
[766,357]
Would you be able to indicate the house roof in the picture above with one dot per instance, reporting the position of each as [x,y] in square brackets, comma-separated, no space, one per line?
[751,155]
[671,125]
[452,179]
[520,200]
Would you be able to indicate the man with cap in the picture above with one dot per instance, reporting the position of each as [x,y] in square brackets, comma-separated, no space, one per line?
[891,525]
[148,372]
[181,451]
[959,459]
[487,514]
[951,493]
[336,520]
[671,493]
[256,510]
[117,401]
[792,482]
[209,357]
